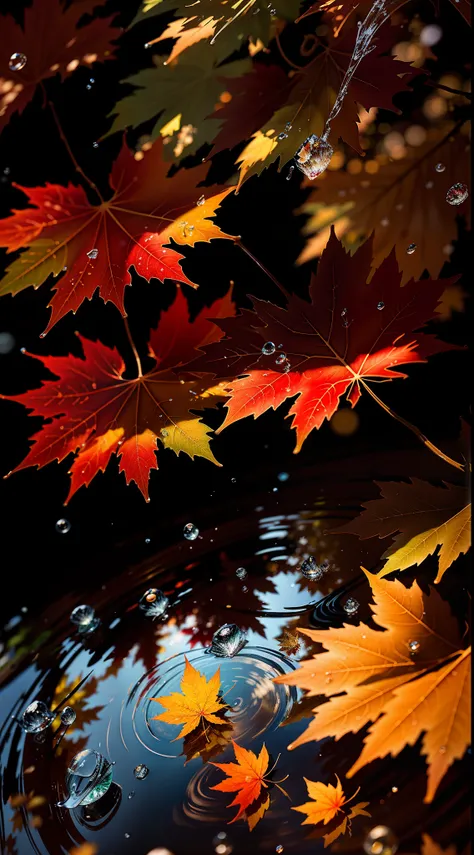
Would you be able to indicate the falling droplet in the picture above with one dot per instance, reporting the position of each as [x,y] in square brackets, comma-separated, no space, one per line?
[153,603]
[63,526]
[440,167]
[227,641]
[68,716]
[17,61]
[413,646]
[93,253]
[36,717]
[268,348]
[190,531]
[380,306]
[380,841]
[201,200]
[457,194]
[241,573]
[351,606]
[281,359]
[313,156]
[140,771]
[411,249]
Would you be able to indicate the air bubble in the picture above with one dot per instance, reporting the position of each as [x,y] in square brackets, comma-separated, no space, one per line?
[268,348]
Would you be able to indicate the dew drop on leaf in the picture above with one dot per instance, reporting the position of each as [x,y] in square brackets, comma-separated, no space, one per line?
[201,201]
[241,573]
[380,306]
[411,249]
[93,253]
[413,646]
[281,359]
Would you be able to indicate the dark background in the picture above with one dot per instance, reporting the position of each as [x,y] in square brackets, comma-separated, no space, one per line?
[37,562]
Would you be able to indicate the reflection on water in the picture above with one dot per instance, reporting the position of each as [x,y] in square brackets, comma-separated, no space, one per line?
[148,619]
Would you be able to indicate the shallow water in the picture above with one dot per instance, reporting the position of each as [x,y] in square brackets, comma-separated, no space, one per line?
[131,658]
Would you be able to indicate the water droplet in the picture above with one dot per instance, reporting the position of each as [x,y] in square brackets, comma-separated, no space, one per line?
[343,313]
[153,603]
[93,253]
[283,476]
[290,173]
[313,156]
[268,348]
[411,249]
[440,167]
[190,531]
[311,569]
[394,789]
[17,61]
[380,841]
[88,778]
[442,749]
[84,618]
[351,606]
[95,145]
[241,573]
[7,342]
[36,717]
[282,136]
[140,771]
[457,194]
[279,849]
[68,716]
[131,794]
[413,646]
[380,306]
[228,640]
[63,526]
[164,433]
[201,200]
[281,359]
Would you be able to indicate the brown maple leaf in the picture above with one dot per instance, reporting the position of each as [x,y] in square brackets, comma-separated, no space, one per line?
[403,203]
[289,642]
[427,517]
[52,43]
[398,679]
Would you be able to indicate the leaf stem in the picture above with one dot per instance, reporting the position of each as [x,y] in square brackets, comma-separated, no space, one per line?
[436,85]
[275,281]
[78,168]
[414,429]
[134,349]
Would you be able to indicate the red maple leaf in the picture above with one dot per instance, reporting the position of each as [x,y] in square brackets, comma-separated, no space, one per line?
[351,333]
[96,245]
[51,43]
[93,411]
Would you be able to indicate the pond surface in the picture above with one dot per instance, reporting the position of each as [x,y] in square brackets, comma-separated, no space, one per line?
[131,657]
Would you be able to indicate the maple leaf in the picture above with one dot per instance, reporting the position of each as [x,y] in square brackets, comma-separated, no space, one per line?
[289,642]
[198,700]
[96,245]
[208,740]
[246,777]
[85,848]
[336,345]
[385,680]
[61,48]
[94,412]
[181,95]
[314,92]
[425,516]
[327,802]
[402,203]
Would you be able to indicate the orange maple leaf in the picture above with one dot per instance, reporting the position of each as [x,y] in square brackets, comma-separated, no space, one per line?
[246,778]
[198,699]
[327,802]
[94,247]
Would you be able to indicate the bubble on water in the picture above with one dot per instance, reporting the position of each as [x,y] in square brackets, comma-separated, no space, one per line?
[311,569]
[88,778]
[36,717]
[380,841]
[281,359]
[440,167]
[413,646]
[268,348]
[283,476]
[228,640]
[68,716]
[84,618]
[457,194]
[140,771]
[154,603]
[351,606]
[190,531]
[411,249]
[17,61]
[380,306]
[63,526]
[313,156]
[201,200]
[7,342]
[93,253]
[241,573]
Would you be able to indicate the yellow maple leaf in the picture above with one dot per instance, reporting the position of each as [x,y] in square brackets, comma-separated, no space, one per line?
[198,699]
[327,802]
